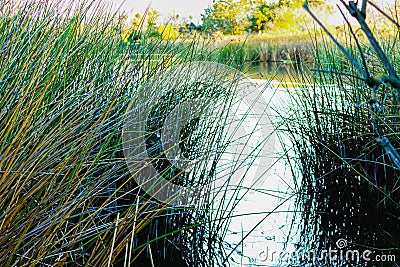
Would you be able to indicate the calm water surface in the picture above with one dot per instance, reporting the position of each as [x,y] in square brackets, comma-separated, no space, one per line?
[277,71]
[267,216]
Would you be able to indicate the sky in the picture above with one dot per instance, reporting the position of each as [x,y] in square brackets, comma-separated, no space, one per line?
[166,7]
[184,7]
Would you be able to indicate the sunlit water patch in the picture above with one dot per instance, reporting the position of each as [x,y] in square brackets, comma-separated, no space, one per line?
[265,220]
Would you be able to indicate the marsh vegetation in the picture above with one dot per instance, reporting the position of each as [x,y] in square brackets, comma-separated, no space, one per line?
[70,74]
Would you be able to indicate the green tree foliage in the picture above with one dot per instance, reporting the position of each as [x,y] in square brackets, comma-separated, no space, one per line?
[237,16]
[265,16]
[227,16]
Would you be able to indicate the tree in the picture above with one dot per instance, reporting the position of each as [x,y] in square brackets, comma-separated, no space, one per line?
[227,16]
[236,16]
[168,32]
[282,14]
[152,17]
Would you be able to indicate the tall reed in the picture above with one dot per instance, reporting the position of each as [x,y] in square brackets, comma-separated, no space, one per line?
[350,180]
[273,50]
[67,196]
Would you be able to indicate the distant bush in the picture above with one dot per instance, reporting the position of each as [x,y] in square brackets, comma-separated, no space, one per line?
[168,32]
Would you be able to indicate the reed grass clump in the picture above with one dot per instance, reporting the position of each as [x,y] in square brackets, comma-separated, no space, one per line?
[67,196]
[338,123]
[273,50]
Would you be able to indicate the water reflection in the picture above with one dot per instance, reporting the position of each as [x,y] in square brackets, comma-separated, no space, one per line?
[267,219]
[280,71]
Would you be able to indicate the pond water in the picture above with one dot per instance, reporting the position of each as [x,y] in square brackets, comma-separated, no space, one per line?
[276,71]
[264,222]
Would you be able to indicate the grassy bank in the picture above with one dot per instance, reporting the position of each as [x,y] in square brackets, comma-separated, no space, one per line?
[269,50]
[295,48]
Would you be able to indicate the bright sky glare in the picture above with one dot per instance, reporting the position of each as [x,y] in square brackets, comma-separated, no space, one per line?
[185,8]
[166,7]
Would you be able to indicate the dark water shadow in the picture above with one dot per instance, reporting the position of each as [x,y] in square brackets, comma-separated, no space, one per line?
[280,71]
